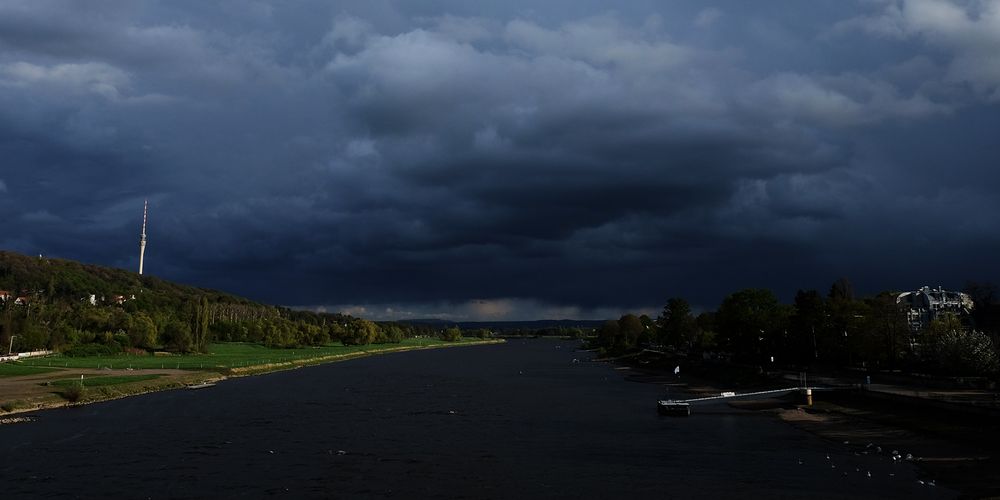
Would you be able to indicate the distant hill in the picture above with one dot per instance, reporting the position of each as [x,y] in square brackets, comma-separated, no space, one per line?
[61,280]
[62,304]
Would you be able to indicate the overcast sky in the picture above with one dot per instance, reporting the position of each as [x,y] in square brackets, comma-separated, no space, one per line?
[506,159]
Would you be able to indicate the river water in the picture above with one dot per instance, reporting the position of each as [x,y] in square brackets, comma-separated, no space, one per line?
[518,420]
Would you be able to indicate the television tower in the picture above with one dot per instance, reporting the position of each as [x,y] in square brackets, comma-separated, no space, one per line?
[142,237]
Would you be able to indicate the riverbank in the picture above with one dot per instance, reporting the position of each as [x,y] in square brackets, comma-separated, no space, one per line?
[39,390]
[951,445]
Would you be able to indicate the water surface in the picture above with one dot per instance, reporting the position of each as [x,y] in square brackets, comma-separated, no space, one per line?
[518,420]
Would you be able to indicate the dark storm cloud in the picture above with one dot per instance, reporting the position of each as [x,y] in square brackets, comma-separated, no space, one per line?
[505,159]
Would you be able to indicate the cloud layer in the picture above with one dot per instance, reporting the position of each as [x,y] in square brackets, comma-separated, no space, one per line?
[505,161]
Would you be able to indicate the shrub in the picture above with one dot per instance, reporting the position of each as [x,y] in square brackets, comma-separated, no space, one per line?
[89,350]
[965,352]
[362,333]
[13,405]
[451,334]
[74,392]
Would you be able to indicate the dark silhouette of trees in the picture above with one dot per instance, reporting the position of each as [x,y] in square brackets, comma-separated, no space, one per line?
[177,335]
[886,331]
[451,334]
[752,324]
[630,327]
[676,325]
[808,324]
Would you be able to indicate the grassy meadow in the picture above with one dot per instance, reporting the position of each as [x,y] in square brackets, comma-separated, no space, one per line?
[13,369]
[220,356]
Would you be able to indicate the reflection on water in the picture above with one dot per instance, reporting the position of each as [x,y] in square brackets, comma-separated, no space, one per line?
[505,421]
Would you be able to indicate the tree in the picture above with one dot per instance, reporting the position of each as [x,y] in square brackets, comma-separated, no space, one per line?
[32,336]
[451,334]
[751,323]
[362,332]
[705,337]
[842,290]
[630,328]
[808,318]
[143,331]
[199,323]
[391,333]
[676,325]
[986,306]
[177,335]
[846,317]
[886,329]
[609,336]
[956,350]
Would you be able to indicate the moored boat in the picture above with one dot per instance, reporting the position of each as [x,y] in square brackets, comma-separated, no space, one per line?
[673,408]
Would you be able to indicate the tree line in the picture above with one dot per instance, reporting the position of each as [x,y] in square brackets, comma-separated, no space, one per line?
[85,310]
[835,329]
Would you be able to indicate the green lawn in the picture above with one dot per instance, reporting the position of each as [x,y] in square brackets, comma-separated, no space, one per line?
[17,369]
[221,356]
[103,381]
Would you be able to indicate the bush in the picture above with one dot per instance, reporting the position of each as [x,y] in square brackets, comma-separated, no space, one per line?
[13,405]
[390,334]
[84,350]
[452,334]
[965,352]
[74,392]
[364,332]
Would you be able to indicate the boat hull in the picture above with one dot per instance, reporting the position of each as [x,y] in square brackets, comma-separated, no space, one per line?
[673,408]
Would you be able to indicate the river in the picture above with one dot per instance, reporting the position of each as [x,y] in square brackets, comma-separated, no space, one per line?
[517,420]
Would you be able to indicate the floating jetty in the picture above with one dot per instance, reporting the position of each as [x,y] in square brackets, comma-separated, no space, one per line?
[682,407]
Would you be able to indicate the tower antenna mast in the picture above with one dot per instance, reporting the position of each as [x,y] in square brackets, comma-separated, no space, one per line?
[142,237]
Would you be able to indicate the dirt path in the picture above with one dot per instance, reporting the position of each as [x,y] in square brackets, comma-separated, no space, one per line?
[30,391]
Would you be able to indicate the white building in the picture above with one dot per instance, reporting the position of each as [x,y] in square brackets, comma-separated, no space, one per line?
[924,305]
